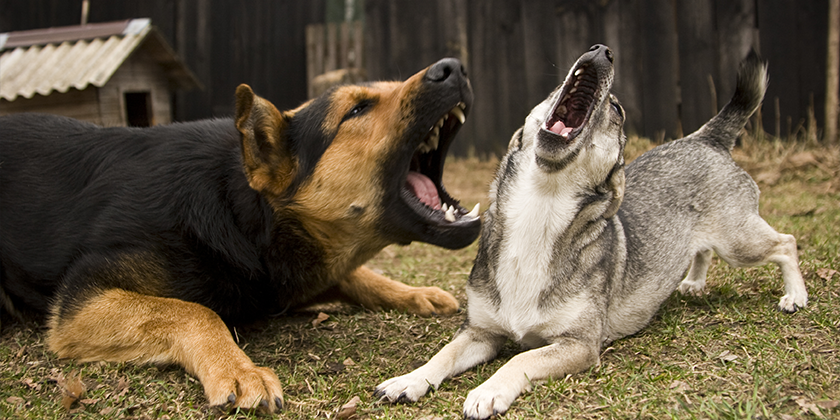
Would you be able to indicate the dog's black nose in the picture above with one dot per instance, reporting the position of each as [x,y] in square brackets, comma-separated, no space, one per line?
[603,49]
[445,68]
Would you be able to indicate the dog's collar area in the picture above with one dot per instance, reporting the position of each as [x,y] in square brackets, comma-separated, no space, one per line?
[574,104]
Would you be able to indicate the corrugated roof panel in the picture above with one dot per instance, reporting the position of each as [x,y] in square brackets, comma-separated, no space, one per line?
[117,55]
[76,62]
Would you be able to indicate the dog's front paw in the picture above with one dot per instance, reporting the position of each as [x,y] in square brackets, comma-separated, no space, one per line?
[793,302]
[488,400]
[406,388]
[246,386]
[428,301]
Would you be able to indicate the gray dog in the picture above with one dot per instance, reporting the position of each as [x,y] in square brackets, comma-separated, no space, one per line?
[569,260]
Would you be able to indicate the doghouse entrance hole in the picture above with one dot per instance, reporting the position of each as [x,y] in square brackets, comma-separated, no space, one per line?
[138,109]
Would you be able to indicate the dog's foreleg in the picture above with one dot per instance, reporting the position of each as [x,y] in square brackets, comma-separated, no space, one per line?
[375,291]
[117,325]
[695,281]
[469,348]
[556,360]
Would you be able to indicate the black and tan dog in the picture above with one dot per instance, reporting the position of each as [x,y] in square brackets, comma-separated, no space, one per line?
[140,245]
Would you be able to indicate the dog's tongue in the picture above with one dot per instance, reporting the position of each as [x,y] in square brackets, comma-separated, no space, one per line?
[560,128]
[424,189]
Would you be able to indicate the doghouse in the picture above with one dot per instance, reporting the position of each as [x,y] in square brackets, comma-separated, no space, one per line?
[112,74]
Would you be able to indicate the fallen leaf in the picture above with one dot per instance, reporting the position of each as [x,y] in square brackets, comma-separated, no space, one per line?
[320,319]
[826,273]
[726,356]
[72,388]
[15,400]
[348,411]
[807,406]
[89,401]
[31,384]
[827,404]
[348,362]
[679,386]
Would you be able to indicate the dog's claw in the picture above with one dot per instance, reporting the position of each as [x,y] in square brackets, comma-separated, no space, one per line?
[232,398]
[278,402]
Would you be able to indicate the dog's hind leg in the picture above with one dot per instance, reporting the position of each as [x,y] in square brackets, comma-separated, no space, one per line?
[117,325]
[469,348]
[756,243]
[695,280]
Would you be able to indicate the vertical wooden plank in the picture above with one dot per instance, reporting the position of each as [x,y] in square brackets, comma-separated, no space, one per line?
[331,60]
[736,35]
[539,66]
[344,45]
[832,88]
[697,62]
[796,58]
[358,45]
[622,31]
[659,68]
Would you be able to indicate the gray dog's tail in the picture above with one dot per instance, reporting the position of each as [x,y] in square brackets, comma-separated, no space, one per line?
[723,128]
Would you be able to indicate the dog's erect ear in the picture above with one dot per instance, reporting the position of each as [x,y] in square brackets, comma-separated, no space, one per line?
[615,184]
[268,160]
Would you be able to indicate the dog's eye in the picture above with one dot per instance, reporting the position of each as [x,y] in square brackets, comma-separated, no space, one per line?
[617,108]
[359,109]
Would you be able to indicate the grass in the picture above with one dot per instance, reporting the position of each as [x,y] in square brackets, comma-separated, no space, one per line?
[727,354]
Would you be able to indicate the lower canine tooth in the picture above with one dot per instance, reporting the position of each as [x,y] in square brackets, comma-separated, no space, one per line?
[450,214]
[444,207]
[474,212]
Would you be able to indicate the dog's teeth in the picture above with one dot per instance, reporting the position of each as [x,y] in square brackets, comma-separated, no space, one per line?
[578,71]
[441,121]
[474,212]
[459,113]
[462,105]
[444,207]
[573,90]
[450,214]
[434,139]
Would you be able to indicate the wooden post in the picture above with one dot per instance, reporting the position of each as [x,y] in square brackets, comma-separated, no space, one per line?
[832,82]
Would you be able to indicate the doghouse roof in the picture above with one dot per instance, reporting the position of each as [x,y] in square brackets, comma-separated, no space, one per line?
[56,59]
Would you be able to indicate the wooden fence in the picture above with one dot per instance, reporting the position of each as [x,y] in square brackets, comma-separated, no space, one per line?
[675,60]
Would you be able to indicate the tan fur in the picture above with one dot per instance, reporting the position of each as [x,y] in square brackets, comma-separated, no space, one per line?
[117,325]
[338,204]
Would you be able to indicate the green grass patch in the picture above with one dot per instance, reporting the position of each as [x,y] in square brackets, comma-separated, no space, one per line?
[726,354]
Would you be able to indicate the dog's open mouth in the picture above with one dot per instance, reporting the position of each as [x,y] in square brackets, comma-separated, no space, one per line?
[575,104]
[423,189]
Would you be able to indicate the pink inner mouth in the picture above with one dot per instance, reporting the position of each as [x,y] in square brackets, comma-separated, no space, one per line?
[424,189]
[560,128]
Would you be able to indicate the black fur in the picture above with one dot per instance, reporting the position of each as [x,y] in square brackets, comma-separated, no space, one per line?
[79,203]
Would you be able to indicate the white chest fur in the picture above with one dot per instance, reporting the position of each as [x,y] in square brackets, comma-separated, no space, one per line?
[537,210]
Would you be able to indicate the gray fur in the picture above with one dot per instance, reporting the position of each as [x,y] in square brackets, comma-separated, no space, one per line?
[600,247]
